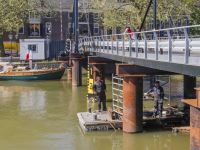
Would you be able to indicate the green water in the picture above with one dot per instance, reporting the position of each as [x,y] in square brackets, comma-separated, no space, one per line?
[42,116]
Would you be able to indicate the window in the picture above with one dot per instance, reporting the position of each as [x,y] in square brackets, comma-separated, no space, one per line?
[109,32]
[70,15]
[48,15]
[34,17]
[83,17]
[21,30]
[32,47]
[34,29]
[48,28]
[69,27]
[83,29]
[96,28]
[96,15]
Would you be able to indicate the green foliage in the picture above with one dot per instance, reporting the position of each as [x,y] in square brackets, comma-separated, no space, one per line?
[114,13]
[53,60]
[13,13]
[194,7]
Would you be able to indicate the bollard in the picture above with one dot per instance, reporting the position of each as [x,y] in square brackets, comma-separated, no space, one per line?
[94,116]
[89,109]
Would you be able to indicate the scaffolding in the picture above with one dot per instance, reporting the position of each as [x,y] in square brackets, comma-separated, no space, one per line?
[117,90]
[117,94]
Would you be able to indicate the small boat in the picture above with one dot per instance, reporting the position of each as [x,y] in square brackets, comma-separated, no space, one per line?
[9,71]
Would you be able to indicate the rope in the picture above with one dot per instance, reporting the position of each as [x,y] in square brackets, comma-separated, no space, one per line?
[108,121]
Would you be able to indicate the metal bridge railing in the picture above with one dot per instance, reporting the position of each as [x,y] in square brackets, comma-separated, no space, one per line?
[180,49]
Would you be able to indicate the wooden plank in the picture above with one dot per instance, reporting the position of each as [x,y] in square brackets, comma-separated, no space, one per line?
[181,129]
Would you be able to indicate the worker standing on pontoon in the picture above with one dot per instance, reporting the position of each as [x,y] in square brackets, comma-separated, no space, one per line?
[158,98]
[99,89]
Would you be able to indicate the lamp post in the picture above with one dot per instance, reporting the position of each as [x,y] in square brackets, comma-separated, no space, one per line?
[16,37]
[154,14]
[10,36]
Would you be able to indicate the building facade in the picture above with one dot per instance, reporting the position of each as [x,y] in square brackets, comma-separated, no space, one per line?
[51,27]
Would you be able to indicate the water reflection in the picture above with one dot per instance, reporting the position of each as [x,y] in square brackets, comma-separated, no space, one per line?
[155,140]
[32,100]
[43,115]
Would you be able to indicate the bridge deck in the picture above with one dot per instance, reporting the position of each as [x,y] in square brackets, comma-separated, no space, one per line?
[174,54]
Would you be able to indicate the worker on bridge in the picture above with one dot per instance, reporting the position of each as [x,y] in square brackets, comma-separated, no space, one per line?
[158,99]
[99,89]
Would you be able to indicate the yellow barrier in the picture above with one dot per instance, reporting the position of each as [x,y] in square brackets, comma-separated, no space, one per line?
[15,46]
[90,95]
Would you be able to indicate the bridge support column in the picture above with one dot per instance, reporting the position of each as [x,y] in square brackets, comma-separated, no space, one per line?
[194,120]
[194,128]
[76,72]
[189,85]
[132,104]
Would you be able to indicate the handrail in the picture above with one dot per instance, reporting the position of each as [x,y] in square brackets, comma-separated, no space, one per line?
[185,49]
[167,29]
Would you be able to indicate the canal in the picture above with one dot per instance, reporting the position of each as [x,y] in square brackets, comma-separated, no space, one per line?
[42,116]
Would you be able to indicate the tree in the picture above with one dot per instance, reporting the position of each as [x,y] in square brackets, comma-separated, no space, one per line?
[13,13]
[194,7]
[116,12]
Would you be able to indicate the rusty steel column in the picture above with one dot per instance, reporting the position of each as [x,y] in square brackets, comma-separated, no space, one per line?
[98,70]
[132,104]
[194,128]
[189,85]
[69,72]
[76,72]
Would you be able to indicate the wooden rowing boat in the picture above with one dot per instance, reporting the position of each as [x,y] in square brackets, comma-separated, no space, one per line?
[8,71]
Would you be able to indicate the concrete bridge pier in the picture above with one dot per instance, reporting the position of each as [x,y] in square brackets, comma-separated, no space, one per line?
[132,104]
[133,94]
[76,59]
[76,72]
[194,128]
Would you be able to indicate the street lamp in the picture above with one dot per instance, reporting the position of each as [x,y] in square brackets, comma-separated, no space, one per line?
[10,36]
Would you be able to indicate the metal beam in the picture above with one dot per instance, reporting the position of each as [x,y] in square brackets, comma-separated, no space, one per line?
[76,56]
[177,68]
[63,58]
[99,60]
[145,16]
[127,69]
